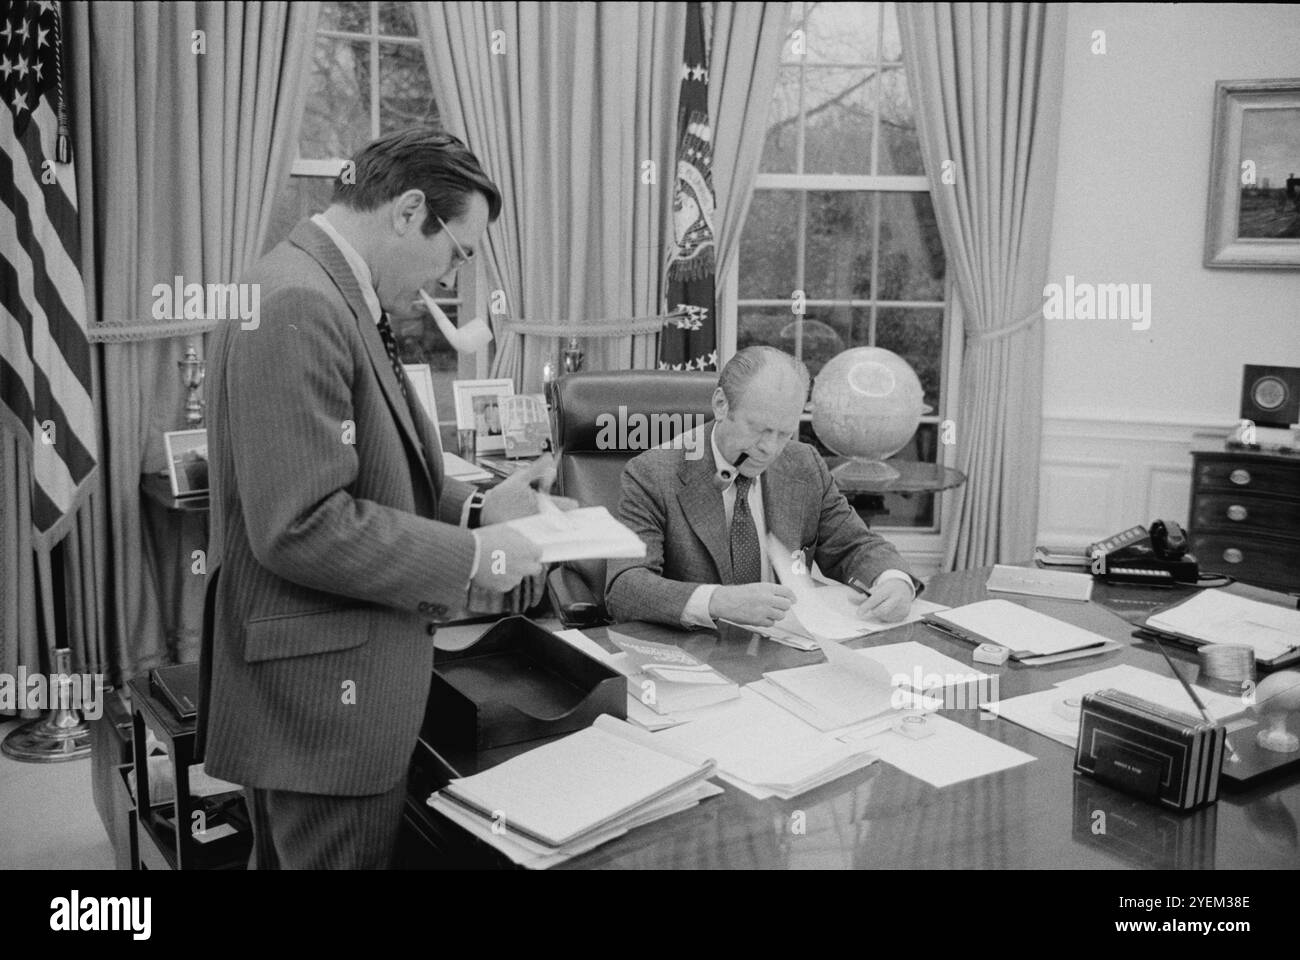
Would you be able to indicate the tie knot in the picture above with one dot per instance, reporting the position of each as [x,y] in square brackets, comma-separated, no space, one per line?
[742,483]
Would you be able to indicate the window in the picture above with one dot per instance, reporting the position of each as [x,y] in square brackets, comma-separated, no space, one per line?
[842,212]
[369,77]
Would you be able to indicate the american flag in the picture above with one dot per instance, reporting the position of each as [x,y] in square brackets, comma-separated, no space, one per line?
[45,386]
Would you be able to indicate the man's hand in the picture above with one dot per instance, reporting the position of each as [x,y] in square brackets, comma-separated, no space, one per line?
[751,604]
[505,557]
[515,497]
[889,602]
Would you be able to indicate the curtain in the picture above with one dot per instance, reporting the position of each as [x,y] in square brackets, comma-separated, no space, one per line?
[987,80]
[180,155]
[572,108]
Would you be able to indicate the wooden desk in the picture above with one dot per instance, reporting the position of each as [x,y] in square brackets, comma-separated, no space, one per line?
[1036,816]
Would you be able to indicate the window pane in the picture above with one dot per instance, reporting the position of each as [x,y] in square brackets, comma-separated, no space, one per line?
[349,17]
[837,119]
[405,91]
[916,335]
[900,148]
[781,148]
[397,20]
[891,45]
[841,32]
[767,246]
[336,116]
[300,198]
[838,265]
[911,253]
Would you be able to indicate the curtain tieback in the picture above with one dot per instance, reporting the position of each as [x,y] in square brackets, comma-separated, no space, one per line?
[1001,333]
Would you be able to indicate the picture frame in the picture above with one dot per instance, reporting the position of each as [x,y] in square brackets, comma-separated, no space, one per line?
[1253,214]
[187,462]
[477,409]
[526,425]
[421,377]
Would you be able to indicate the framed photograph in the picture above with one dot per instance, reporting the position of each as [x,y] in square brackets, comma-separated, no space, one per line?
[421,377]
[478,408]
[1253,219]
[526,424]
[187,462]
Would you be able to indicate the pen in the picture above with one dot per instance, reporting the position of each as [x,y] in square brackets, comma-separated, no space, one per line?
[859,586]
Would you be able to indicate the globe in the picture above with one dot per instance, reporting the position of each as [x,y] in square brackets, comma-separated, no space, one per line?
[866,404]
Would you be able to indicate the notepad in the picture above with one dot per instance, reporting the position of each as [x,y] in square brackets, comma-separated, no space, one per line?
[1213,616]
[1056,584]
[1029,634]
[588,533]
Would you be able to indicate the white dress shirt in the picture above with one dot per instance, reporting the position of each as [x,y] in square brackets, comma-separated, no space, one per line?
[696,613]
[361,271]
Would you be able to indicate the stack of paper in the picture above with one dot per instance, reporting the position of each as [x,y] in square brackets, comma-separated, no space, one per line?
[588,533]
[1055,713]
[1028,581]
[462,469]
[669,680]
[1213,616]
[764,750]
[1034,638]
[845,690]
[573,794]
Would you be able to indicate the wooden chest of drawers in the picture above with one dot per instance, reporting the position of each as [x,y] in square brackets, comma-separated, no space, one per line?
[1245,516]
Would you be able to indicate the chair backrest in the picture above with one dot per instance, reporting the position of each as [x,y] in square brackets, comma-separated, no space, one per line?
[597,413]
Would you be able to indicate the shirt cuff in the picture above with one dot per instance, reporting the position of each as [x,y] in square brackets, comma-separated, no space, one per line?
[896,575]
[696,613]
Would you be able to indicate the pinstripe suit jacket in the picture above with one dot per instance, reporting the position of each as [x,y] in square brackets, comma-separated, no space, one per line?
[673,505]
[333,546]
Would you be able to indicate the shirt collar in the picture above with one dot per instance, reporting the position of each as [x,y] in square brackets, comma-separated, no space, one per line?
[723,471]
[359,268]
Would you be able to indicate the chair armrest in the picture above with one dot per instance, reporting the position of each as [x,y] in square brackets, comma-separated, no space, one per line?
[572,599]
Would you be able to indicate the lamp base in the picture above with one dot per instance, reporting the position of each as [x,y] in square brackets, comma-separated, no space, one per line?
[61,735]
[856,471]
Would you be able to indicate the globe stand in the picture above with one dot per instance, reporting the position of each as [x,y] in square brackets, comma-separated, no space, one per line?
[858,470]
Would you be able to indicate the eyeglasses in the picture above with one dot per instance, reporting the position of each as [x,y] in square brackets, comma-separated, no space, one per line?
[461,255]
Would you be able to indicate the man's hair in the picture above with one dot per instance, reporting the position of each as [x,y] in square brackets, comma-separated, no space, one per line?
[418,158]
[742,367]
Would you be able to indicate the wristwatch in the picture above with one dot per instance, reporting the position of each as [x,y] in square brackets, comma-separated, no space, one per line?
[474,518]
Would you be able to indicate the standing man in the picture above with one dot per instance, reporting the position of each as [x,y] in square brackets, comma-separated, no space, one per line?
[337,542]
[705,520]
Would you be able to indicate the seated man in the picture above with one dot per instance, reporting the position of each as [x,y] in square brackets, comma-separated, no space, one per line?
[705,521]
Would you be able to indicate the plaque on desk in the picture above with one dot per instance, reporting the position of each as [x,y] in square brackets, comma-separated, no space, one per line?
[178,687]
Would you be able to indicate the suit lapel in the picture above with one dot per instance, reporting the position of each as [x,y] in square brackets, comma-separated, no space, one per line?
[318,244]
[785,494]
[701,503]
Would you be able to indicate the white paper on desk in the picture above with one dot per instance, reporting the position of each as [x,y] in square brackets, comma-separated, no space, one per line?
[1020,629]
[1038,712]
[764,750]
[1160,689]
[462,469]
[916,667]
[952,753]
[1213,616]
[637,712]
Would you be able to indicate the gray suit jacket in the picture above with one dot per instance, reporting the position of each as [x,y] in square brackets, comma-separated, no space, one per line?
[673,505]
[333,545]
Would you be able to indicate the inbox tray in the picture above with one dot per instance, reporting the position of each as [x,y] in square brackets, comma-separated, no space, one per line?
[517,682]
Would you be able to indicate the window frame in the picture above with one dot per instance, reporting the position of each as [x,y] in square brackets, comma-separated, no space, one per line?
[917,540]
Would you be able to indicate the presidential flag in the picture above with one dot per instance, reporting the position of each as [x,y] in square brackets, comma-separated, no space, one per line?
[690,342]
[45,386]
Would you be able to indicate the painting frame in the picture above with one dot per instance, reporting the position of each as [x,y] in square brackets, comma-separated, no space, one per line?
[186,483]
[1225,244]
[468,413]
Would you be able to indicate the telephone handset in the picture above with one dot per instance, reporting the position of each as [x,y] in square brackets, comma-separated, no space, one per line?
[1137,555]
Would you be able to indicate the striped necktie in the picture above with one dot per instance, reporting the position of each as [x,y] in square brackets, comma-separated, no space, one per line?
[746,558]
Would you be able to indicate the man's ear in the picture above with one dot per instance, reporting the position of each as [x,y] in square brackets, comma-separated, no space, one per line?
[719,404]
[409,211]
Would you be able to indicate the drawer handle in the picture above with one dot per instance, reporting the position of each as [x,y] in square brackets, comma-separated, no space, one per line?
[1240,477]
[1236,512]
[1232,555]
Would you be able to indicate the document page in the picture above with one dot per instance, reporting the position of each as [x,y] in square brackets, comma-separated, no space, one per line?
[588,533]
[1019,628]
[1213,616]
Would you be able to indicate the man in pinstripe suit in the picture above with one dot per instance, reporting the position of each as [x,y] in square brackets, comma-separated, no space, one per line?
[337,542]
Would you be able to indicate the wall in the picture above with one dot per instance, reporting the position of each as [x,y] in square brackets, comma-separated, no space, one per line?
[1120,405]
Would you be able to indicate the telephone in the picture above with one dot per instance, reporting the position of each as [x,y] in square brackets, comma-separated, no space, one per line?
[1137,555]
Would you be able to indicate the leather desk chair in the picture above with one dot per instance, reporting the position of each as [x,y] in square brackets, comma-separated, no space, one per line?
[591,475]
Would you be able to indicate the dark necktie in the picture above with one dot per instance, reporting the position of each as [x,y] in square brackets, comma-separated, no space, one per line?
[746,559]
[390,345]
